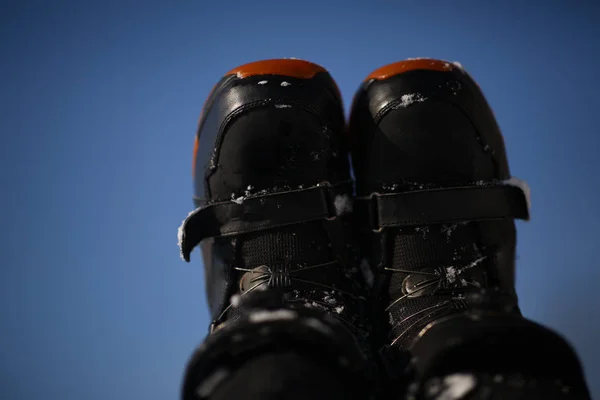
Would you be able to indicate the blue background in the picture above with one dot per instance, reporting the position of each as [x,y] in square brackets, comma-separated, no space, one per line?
[98,108]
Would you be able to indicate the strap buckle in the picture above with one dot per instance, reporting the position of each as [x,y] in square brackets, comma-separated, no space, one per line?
[328,199]
[368,209]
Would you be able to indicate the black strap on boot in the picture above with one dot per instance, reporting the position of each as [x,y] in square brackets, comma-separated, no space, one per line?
[442,206]
[260,212]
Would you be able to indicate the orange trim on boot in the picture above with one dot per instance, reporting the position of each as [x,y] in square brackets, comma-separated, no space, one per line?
[290,67]
[410,65]
[283,66]
[195,156]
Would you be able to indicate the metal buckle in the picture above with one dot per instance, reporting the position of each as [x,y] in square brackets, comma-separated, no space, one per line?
[373,214]
[329,199]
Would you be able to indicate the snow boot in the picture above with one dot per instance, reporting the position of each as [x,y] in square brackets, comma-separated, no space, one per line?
[274,197]
[437,203]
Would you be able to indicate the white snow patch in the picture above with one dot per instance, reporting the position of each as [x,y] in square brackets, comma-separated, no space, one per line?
[315,305]
[342,204]
[285,84]
[516,182]
[180,235]
[451,274]
[473,264]
[392,187]
[180,231]
[262,82]
[455,255]
[449,229]
[411,98]
[235,300]
[456,386]
[339,309]
[238,200]
[366,271]
[458,65]
[432,61]
[282,106]
[208,386]
[424,231]
[262,316]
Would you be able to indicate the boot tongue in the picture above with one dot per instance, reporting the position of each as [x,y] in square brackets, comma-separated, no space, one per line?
[449,253]
[432,269]
[269,252]
[298,263]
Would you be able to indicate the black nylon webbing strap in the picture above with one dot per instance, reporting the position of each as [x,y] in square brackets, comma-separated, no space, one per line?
[445,205]
[258,213]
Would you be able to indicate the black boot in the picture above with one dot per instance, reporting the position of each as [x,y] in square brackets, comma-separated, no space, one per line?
[437,205]
[274,198]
